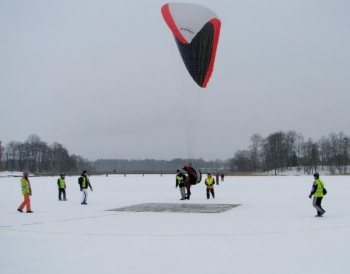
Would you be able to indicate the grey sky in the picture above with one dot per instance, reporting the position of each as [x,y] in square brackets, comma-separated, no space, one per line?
[97,76]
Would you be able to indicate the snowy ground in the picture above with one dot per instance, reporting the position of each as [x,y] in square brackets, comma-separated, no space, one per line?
[273,230]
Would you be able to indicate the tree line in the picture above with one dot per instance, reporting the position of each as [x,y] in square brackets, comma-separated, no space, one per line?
[37,156]
[282,150]
[279,151]
[122,165]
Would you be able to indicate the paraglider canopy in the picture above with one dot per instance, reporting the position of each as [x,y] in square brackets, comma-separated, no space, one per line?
[196,30]
[194,172]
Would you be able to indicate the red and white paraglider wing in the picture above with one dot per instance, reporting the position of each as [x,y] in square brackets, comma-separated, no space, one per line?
[196,30]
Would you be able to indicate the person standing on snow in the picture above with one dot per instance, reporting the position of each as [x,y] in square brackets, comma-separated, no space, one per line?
[222,177]
[217,178]
[180,182]
[61,183]
[191,179]
[84,183]
[317,191]
[210,182]
[27,192]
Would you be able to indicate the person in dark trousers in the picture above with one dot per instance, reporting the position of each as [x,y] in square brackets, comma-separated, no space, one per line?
[210,182]
[84,183]
[26,192]
[61,183]
[217,178]
[181,183]
[317,192]
[222,177]
[191,179]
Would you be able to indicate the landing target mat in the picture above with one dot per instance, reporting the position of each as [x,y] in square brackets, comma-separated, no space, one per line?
[172,207]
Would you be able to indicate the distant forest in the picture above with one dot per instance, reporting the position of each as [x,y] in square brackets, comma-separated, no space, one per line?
[282,150]
[277,152]
[149,165]
[37,156]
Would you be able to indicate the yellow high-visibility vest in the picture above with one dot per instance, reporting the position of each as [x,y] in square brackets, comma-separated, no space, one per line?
[319,189]
[180,179]
[85,182]
[62,183]
[25,186]
[209,181]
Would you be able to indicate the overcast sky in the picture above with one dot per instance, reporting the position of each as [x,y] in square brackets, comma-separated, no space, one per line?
[98,76]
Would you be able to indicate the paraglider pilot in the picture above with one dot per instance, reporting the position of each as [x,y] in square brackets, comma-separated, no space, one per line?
[191,179]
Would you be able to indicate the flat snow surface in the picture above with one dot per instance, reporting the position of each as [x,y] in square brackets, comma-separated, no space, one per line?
[272,231]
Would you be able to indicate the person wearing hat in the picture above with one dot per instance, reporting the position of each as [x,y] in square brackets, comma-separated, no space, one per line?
[84,183]
[210,182]
[317,192]
[26,192]
[181,183]
[61,183]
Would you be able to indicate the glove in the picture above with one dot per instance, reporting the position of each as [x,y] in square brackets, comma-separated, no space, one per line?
[81,189]
[310,196]
[91,189]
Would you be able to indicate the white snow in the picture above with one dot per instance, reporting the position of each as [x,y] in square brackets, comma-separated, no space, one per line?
[273,231]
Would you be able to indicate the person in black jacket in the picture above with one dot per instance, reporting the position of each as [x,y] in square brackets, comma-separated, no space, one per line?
[84,183]
[181,183]
[318,192]
[222,177]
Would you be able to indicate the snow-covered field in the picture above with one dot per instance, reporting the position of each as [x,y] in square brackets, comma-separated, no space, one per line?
[273,231]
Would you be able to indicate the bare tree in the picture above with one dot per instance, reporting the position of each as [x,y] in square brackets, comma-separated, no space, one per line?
[275,151]
[11,155]
[241,161]
[291,144]
[60,155]
[310,156]
[255,152]
[35,155]
[334,150]
[33,145]
[323,145]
